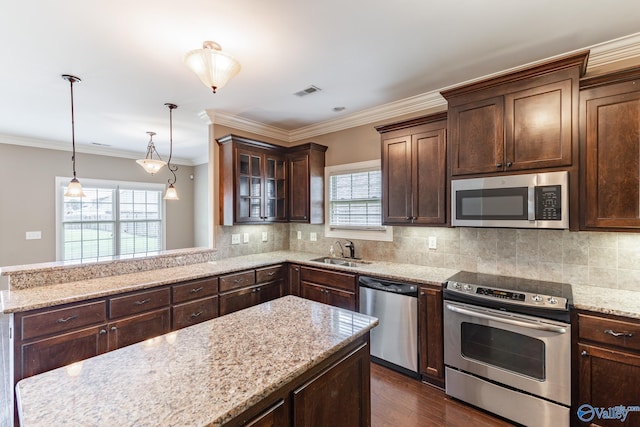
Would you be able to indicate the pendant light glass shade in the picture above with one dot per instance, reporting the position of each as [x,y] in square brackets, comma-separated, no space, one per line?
[214,67]
[150,164]
[171,193]
[74,189]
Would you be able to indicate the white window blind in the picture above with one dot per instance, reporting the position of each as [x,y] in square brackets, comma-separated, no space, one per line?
[355,200]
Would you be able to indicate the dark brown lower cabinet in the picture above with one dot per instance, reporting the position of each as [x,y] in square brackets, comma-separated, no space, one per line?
[326,295]
[248,297]
[131,330]
[274,416]
[326,286]
[430,335]
[193,312]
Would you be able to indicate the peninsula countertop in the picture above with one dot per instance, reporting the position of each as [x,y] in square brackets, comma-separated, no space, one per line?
[203,375]
[604,300]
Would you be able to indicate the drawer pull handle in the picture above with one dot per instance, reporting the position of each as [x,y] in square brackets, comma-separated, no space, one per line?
[194,315]
[618,334]
[196,290]
[144,301]
[238,280]
[66,319]
[271,273]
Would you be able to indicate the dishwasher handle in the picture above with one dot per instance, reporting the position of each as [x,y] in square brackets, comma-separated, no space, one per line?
[399,288]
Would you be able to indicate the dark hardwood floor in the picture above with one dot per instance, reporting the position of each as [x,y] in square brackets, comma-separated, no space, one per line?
[399,401]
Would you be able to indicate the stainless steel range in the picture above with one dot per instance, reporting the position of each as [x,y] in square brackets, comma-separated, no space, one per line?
[507,346]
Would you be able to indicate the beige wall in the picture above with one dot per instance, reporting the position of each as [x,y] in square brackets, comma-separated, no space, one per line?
[28,199]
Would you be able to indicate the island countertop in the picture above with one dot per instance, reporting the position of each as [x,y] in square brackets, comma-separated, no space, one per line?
[203,375]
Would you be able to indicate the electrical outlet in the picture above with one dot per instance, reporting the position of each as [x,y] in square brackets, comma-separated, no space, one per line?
[245,237]
[313,237]
[432,242]
[299,235]
[33,235]
[235,239]
[265,236]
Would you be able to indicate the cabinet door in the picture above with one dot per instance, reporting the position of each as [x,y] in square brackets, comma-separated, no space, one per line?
[611,152]
[396,185]
[476,131]
[339,396]
[274,416]
[60,350]
[275,188]
[428,176]
[238,300]
[313,292]
[294,280]
[340,298]
[299,194]
[131,330]
[431,335]
[269,291]
[539,126]
[609,378]
[249,186]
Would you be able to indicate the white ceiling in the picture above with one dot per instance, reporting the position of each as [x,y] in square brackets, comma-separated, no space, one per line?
[361,53]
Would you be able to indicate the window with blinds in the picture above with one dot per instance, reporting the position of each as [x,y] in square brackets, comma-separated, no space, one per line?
[355,200]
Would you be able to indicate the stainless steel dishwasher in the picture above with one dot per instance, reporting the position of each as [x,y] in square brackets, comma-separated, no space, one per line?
[394,342]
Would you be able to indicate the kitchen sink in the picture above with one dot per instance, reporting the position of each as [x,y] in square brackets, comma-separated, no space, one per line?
[341,261]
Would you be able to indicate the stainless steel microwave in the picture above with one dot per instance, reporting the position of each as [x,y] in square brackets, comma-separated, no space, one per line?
[538,200]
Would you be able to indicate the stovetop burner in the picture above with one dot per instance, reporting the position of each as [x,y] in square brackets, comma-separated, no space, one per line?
[527,296]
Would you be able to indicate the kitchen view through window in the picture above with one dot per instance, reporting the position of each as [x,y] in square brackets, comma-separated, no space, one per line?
[112,219]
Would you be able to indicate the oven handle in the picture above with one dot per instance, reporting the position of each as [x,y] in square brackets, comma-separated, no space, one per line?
[508,320]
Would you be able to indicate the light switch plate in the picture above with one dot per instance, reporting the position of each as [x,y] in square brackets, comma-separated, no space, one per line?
[432,242]
[245,237]
[265,236]
[299,235]
[313,237]
[33,235]
[235,239]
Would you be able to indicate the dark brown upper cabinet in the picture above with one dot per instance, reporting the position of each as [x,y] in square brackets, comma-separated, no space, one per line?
[266,183]
[610,151]
[414,171]
[306,183]
[519,121]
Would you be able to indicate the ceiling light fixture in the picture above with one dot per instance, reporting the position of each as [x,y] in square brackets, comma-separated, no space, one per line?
[74,189]
[150,164]
[171,193]
[214,67]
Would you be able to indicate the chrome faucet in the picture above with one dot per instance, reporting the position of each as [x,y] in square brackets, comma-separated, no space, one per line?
[352,248]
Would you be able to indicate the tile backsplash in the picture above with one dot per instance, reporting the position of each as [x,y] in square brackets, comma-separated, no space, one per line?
[589,258]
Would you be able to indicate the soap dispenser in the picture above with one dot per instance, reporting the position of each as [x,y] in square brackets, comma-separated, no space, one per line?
[332,253]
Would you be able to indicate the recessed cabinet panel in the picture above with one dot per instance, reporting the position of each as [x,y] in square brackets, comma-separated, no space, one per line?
[429,177]
[397,186]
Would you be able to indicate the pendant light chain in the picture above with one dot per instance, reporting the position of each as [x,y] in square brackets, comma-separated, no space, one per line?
[73,131]
[172,168]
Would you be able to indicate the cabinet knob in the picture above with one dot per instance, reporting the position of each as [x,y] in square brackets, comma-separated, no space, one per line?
[498,165]
[102,331]
[113,329]
[584,353]
[509,164]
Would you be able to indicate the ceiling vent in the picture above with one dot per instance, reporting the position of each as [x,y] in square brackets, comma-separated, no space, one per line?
[308,91]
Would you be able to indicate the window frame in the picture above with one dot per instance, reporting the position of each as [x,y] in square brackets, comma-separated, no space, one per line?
[383,234]
[61,182]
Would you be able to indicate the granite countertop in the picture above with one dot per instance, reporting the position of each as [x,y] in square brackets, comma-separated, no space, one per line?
[202,375]
[604,300]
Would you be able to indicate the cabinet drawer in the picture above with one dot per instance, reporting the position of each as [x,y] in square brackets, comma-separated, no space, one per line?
[602,330]
[138,302]
[269,274]
[195,289]
[237,280]
[194,312]
[329,278]
[63,319]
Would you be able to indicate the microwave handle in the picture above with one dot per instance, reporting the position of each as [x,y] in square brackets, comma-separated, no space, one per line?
[531,211]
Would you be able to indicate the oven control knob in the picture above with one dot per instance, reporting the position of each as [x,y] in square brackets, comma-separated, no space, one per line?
[467,288]
[536,298]
[455,285]
[552,300]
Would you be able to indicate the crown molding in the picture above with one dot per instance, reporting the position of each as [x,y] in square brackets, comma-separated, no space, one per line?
[80,148]
[247,125]
[614,50]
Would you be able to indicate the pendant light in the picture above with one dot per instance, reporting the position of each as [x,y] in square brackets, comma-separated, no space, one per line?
[214,67]
[150,164]
[74,189]
[171,193]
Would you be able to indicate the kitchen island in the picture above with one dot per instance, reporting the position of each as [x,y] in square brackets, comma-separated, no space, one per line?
[284,362]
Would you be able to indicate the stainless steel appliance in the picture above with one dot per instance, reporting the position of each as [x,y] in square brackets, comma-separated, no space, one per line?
[394,342]
[507,346]
[538,200]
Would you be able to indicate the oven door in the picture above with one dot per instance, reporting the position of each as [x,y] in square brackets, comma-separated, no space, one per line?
[523,352]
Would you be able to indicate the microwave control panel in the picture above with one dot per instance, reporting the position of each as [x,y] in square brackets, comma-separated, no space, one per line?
[548,202]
